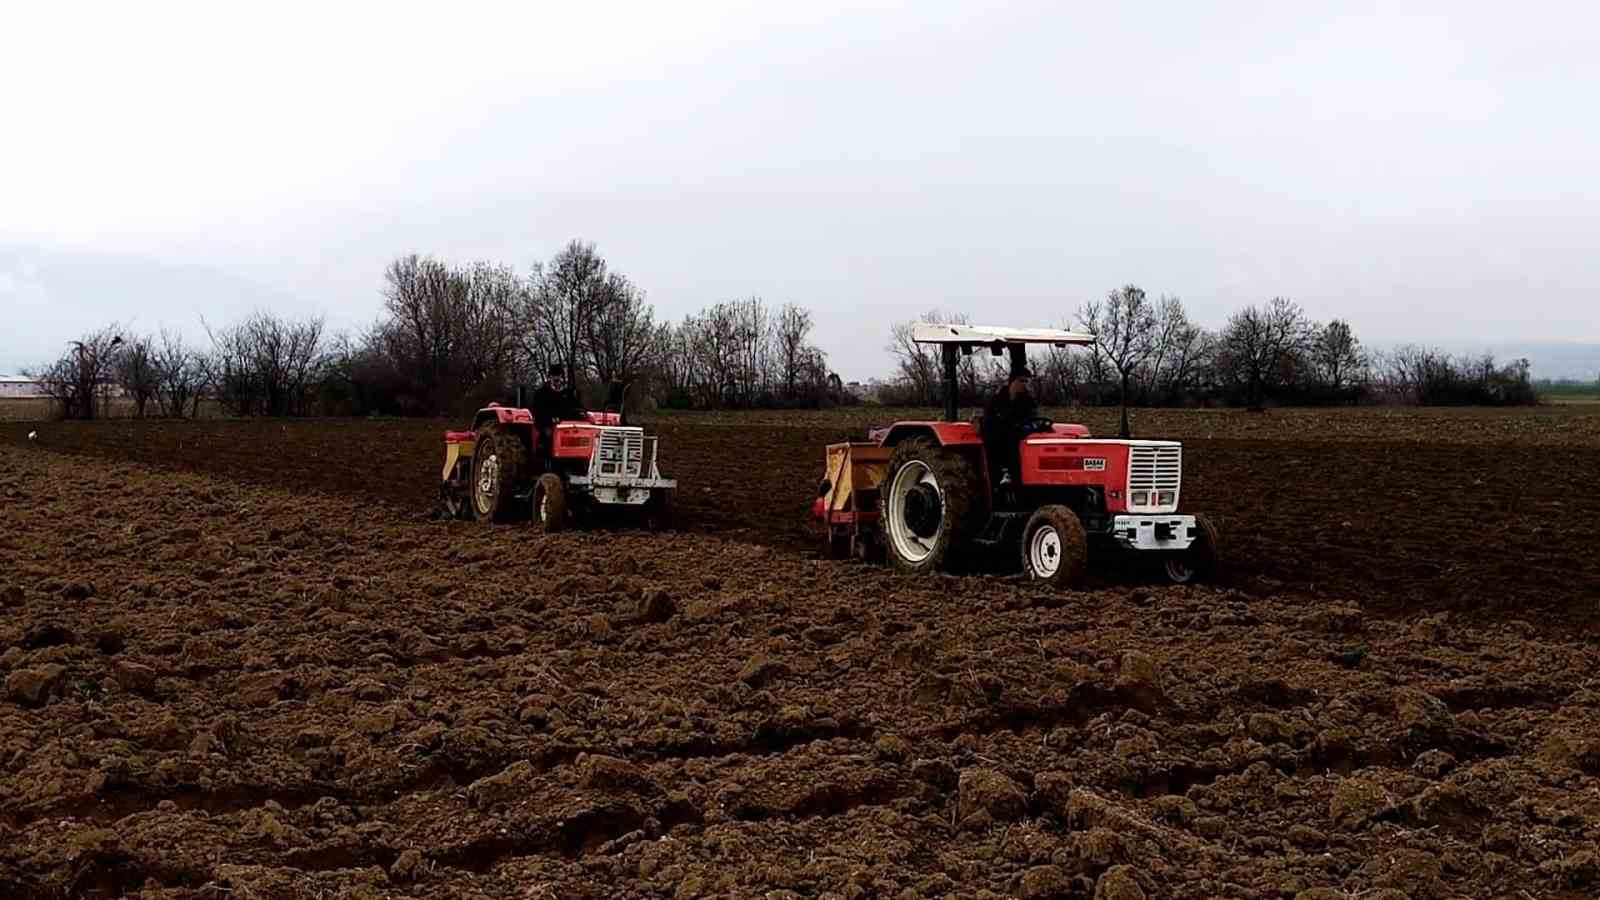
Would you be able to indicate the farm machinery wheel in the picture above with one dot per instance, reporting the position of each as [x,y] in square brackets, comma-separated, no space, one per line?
[1055,548]
[454,504]
[658,511]
[1202,561]
[929,504]
[497,469]
[550,502]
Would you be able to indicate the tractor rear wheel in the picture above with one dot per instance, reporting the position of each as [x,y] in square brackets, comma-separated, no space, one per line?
[550,502]
[930,506]
[1055,548]
[1202,561]
[497,469]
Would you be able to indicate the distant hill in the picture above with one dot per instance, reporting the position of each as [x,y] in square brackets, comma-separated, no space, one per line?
[1549,359]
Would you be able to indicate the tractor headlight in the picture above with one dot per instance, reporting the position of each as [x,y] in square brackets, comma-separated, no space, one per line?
[1164,498]
[1140,498]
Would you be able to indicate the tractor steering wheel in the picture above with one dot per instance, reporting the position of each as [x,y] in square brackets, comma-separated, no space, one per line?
[1037,424]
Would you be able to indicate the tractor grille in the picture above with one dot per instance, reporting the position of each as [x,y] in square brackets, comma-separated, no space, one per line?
[1155,470]
[621,452]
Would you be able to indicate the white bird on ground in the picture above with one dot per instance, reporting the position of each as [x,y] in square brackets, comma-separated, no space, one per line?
[33,435]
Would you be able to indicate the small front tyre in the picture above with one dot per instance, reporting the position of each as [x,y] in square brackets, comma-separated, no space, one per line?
[658,511]
[550,503]
[1055,548]
[1202,561]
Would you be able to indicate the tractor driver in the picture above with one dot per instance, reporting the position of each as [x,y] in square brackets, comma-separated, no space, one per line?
[554,401]
[1005,422]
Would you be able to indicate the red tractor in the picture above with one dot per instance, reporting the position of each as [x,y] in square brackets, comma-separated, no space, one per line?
[506,468]
[927,493]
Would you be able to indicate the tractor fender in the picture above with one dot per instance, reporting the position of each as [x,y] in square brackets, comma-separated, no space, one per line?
[505,415]
[517,421]
[962,437]
[944,434]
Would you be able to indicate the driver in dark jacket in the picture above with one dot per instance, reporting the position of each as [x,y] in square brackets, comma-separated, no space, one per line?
[554,401]
[1005,422]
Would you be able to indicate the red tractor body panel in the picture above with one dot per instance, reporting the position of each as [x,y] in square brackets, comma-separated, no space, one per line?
[1049,459]
[948,434]
[1064,456]
[574,441]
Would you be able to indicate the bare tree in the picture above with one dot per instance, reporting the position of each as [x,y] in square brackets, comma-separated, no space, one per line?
[1260,342]
[1178,347]
[752,337]
[136,372]
[1338,357]
[675,364]
[717,347]
[1124,330]
[427,305]
[1059,375]
[265,365]
[920,366]
[180,376]
[1096,366]
[791,330]
[620,335]
[487,340]
[566,294]
[79,379]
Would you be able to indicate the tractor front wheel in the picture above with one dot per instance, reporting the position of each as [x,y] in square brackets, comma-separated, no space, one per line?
[550,502]
[1055,548]
[497,469]
[930,506]
[1202,561]
[658,511]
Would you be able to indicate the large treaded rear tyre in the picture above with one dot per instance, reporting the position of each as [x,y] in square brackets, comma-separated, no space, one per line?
[498,465]
[930,506]
[1055,548]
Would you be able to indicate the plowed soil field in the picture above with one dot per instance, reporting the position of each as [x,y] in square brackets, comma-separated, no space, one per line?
[241,660]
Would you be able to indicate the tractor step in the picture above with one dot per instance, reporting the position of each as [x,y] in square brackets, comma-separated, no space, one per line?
[1001,528]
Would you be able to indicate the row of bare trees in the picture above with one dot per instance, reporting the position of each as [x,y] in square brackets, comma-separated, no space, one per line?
[453,338]
[452,333]
[744,353]
[159,373]
[1150,353]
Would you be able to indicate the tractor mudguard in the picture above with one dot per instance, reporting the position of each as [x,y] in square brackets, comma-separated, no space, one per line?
[505,415]
[944,434]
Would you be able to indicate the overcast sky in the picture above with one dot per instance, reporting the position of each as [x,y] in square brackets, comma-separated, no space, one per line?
[1427,171]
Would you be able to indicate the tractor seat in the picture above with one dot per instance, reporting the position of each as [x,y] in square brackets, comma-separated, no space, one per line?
[459,437]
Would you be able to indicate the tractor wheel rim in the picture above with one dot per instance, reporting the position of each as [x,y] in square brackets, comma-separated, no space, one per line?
[911,546]
[1179,571]
[488,478]
[544,506]
[1044,551]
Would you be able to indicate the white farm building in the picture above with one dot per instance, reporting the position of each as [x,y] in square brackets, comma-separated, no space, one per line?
[20,387]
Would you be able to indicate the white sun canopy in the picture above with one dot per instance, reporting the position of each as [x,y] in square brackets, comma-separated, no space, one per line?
[925,333]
